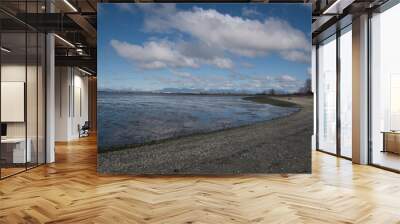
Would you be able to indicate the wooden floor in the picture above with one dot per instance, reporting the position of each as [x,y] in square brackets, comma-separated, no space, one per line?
[387,159]
[5,172]
[70,191]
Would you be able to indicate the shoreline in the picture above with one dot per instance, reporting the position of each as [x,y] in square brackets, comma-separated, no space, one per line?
[273,146]
[161,141]
[199,94]
[271,100]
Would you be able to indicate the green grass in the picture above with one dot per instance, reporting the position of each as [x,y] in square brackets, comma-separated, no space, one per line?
[271,101]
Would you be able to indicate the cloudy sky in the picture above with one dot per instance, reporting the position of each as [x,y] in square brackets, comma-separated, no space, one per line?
[204,46]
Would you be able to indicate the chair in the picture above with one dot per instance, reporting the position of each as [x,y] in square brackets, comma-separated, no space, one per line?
[84,130]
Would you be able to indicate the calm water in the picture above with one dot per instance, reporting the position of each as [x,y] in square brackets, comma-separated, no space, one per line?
[129,118]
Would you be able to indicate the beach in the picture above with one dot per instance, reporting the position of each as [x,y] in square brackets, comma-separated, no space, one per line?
[281,145]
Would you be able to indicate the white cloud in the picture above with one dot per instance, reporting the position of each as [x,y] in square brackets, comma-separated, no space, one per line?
[297,56]
[222,63]
[282,82]
[234,34]
[287,78]
[181,79]
[217,37]
[153,55]
[153,65]
[157,15]
[205,54]
[164,54]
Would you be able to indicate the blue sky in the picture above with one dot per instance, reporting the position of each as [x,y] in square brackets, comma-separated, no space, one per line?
[204,46]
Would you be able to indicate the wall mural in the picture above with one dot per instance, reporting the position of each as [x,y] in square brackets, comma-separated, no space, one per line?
[204,88]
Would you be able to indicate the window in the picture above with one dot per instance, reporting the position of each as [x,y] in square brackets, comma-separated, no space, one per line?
[327,95]
[346,92]
[22,87]
[385,89]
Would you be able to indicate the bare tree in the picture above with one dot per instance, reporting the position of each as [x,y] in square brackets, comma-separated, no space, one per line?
[306,89]
[272,92]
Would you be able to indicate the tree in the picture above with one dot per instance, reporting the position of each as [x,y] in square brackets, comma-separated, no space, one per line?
[272,92]
[306,89]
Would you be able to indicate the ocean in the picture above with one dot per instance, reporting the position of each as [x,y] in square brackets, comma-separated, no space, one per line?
[126,119]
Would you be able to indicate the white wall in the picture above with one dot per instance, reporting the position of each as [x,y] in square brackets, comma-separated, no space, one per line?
[14,72]
[70,83]
[33,126]
[17,73]
[13,101]
[79,110]
[62,82]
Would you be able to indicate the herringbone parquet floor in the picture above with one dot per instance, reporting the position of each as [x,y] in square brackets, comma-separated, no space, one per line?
[70,191]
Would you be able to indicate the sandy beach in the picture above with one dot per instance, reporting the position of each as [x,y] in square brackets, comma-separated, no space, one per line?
[276,146]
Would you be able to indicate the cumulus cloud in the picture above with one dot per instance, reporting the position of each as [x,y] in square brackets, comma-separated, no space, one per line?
[153,55]
[157,16]
[287,78]
[164,54]
[196,37]
[297,56]
[222,62]
[234,34]
[282,82]
[215,36]
[254,83]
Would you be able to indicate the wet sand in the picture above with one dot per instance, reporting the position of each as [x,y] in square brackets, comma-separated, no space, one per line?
[282,145]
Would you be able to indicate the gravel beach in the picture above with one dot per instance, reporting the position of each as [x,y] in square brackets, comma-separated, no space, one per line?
[282,145]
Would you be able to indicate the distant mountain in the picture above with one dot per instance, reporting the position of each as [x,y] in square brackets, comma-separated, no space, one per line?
[205,91]
[124,90]
[195,91]
[179,90]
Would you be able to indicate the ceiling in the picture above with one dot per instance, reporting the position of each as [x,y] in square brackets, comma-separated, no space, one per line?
[74,21]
